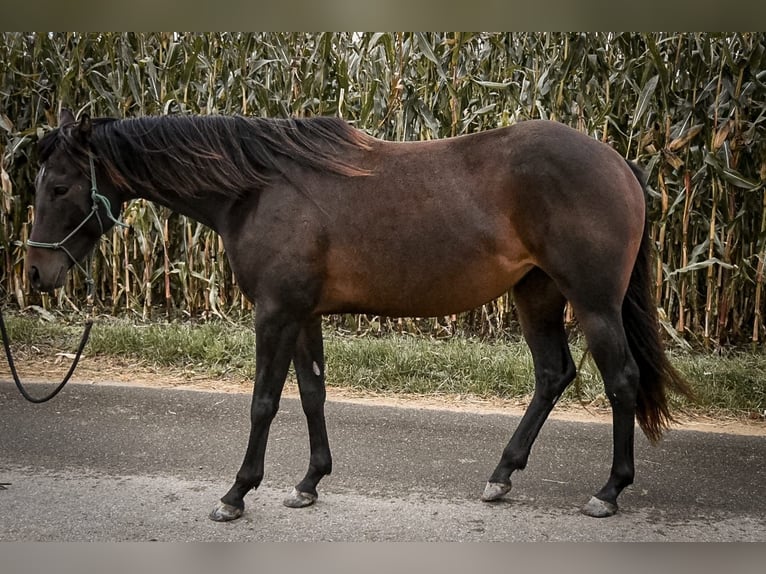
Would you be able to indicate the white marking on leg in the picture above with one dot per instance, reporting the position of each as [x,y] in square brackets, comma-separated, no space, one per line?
[317,370]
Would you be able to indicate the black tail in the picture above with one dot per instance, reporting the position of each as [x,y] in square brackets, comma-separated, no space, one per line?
[639,315]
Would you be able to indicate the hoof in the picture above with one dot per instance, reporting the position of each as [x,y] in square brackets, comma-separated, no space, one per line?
[598,508]
[495,491]
[225,512]
[299,499]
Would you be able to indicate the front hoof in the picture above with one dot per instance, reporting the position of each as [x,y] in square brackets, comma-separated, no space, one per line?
[495,491]
[298,499]
[225,512]
[598,508]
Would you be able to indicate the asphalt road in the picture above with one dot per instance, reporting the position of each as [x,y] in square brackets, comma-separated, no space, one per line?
[116,463]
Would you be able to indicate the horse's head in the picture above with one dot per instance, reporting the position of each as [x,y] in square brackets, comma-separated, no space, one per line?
[70,213]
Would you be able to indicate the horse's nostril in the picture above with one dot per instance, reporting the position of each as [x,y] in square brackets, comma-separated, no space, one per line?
[34,277]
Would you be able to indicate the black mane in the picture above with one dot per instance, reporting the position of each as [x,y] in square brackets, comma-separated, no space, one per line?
[221,154]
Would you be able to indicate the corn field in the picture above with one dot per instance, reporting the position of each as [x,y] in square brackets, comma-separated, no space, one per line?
[690,108]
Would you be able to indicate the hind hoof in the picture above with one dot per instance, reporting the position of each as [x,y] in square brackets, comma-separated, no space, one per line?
[598,508]
[495,491]
[298,499]
[225,512]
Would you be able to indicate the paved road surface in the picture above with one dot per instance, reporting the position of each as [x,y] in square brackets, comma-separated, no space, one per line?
[116,463]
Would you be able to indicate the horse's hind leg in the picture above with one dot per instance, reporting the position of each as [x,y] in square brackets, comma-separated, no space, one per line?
[309,368]
[606,339]
[540,306]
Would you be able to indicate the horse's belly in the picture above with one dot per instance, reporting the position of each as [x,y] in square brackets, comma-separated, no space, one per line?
[429,289]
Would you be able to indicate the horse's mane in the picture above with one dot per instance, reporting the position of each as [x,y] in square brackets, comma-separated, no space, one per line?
[220,154]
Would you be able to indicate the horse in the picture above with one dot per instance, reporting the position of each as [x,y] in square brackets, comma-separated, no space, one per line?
[318,217]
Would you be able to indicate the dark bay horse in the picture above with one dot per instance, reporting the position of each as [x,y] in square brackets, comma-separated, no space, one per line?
[318,217]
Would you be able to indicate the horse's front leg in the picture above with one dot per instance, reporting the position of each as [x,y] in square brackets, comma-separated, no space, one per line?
[276,333]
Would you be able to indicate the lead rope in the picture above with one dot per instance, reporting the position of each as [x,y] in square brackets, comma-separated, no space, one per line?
[15,374]
[78,354]
[96,197]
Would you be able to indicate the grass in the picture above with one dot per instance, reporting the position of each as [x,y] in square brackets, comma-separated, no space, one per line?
[730,384]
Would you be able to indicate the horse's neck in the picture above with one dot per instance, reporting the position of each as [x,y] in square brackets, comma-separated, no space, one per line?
[203,208]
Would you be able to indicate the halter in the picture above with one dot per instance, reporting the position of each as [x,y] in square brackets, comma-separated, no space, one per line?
[96,198]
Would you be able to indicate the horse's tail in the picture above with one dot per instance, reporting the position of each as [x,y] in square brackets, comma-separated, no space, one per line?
[639,316]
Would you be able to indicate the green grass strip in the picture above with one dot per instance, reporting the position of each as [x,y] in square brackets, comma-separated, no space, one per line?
[728,384]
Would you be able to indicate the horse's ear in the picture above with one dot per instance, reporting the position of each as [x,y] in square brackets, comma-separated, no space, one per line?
[66,117]
[84,127]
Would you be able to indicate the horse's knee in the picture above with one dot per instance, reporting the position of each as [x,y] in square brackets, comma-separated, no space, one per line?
[264,409]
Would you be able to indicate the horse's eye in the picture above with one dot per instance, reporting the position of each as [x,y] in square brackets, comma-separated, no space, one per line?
[60,190]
